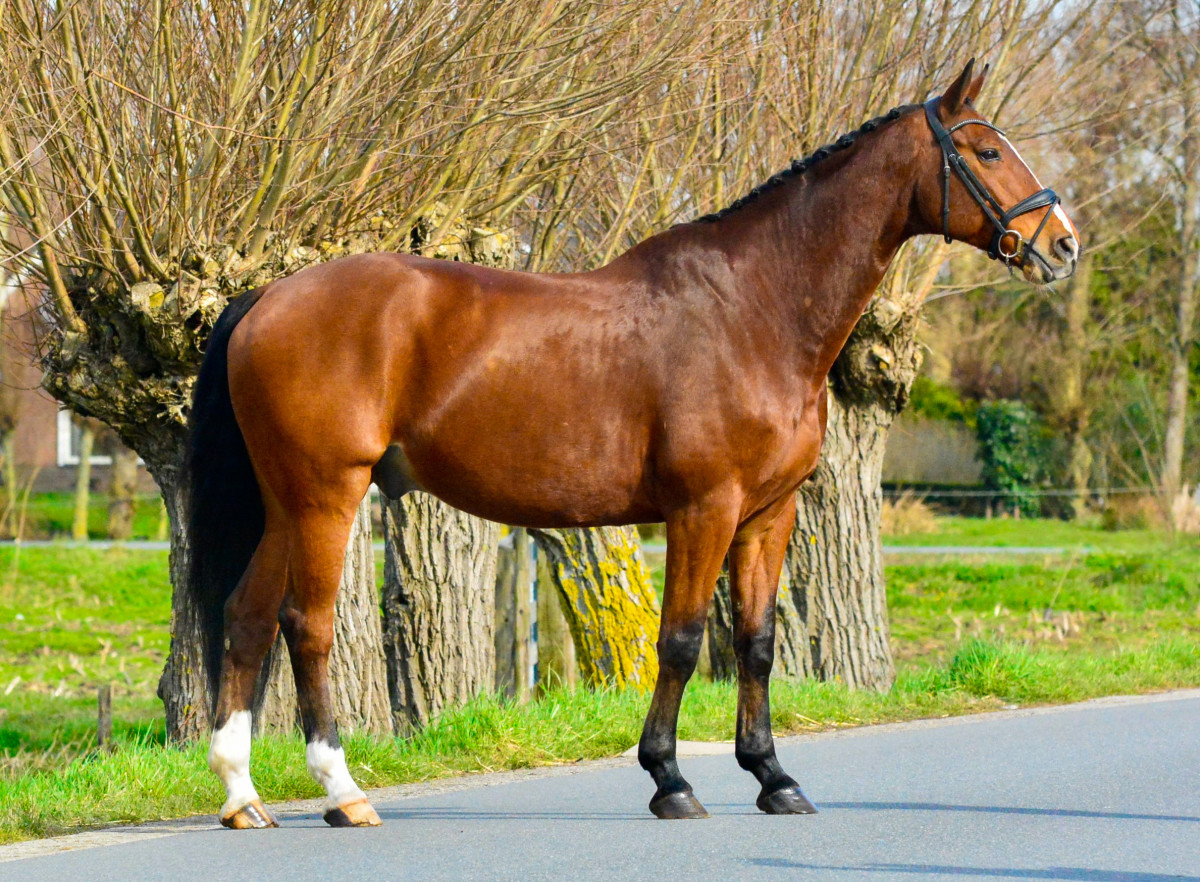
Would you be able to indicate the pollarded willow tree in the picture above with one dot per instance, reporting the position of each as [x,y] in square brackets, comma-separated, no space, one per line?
[164,158]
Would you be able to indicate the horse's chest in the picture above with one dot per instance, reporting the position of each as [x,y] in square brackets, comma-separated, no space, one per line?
[790,446]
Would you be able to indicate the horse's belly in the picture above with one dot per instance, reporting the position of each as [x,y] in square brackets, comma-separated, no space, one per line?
[553,481]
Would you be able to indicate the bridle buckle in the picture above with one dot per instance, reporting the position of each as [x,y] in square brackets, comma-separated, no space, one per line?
[1004,255]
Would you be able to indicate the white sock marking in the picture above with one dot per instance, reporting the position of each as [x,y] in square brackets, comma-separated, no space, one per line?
[328,765]
[229,758]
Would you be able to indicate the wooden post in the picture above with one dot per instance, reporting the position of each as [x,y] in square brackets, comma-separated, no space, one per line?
[104,718]
[83,479]
[556,647]
[523,633]
[504,636]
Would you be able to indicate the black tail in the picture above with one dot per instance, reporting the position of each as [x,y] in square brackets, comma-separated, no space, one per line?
[225,520]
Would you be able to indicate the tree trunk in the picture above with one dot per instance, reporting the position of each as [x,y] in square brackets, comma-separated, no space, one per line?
[122,489]
[183,686]
[609,603]
[83,484]
[438,607]
[357,671]
[557,667]
[514,619]
[834,560]
[1183,335]
[1070,403]
[834,566]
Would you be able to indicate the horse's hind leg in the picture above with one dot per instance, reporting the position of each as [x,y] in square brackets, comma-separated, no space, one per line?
[756,559]
[251,624]
[318,549]
[696,545]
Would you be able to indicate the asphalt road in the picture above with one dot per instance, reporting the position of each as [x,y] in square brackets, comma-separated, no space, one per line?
[1100,791]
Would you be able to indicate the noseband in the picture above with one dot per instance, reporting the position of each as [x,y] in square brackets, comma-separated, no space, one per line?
[1000,219]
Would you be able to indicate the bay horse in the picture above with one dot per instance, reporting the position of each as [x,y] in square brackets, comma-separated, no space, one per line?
[683,382]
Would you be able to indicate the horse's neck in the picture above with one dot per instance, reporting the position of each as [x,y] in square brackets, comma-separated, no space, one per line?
[817,248]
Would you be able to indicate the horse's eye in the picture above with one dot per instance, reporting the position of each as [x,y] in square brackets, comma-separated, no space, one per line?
[990,154]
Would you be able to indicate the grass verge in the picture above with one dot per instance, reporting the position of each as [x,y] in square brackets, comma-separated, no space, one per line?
[142,779]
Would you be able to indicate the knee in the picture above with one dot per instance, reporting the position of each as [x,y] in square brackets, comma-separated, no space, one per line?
[756,653]
[679,649]
[304,636]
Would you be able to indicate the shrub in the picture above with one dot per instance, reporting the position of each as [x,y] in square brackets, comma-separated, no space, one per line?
[1126,512]
[906,514]
[1011,451]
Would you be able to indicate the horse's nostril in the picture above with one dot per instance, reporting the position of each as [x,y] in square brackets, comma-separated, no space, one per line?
[1067,247]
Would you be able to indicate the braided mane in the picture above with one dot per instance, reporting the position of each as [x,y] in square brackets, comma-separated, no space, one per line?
[800,166]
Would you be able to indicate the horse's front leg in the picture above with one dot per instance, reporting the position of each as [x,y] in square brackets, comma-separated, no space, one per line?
[755,562]
[696,545]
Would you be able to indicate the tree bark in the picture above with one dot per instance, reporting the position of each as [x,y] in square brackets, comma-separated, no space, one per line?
[1068,397]
[834,558]
[1183,336]
[514,619]
[557,667]
[610,606]
[357,671]
[438,607]
[122,489]
[183,686]
[834,564]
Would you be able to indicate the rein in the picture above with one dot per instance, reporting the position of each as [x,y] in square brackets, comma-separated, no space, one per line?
[1000,219]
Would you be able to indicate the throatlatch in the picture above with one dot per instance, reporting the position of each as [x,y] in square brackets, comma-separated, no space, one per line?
[993,210]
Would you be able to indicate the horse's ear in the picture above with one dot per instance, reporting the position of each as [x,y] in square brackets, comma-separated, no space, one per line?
[976,85]
[954,97]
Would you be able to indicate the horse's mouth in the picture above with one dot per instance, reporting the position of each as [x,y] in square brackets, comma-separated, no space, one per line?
[1038,271]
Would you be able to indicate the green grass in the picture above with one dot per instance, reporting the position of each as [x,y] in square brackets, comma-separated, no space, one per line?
[50,516]
[1038,532]
[970,634]
[143,780]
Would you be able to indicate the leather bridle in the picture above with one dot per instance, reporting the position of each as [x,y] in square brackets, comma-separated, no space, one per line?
[1000,219]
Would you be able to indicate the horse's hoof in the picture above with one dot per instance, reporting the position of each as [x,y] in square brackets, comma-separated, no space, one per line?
[785,801]
[252,816]
[678,806]
[353,814]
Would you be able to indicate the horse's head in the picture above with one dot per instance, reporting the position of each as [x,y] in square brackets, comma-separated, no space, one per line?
[984,194]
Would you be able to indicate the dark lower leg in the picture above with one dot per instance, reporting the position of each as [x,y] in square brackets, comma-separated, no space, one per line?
[755,745]
[677,655]
[756,560]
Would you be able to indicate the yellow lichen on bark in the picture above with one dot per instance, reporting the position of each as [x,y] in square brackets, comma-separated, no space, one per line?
[609,603]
